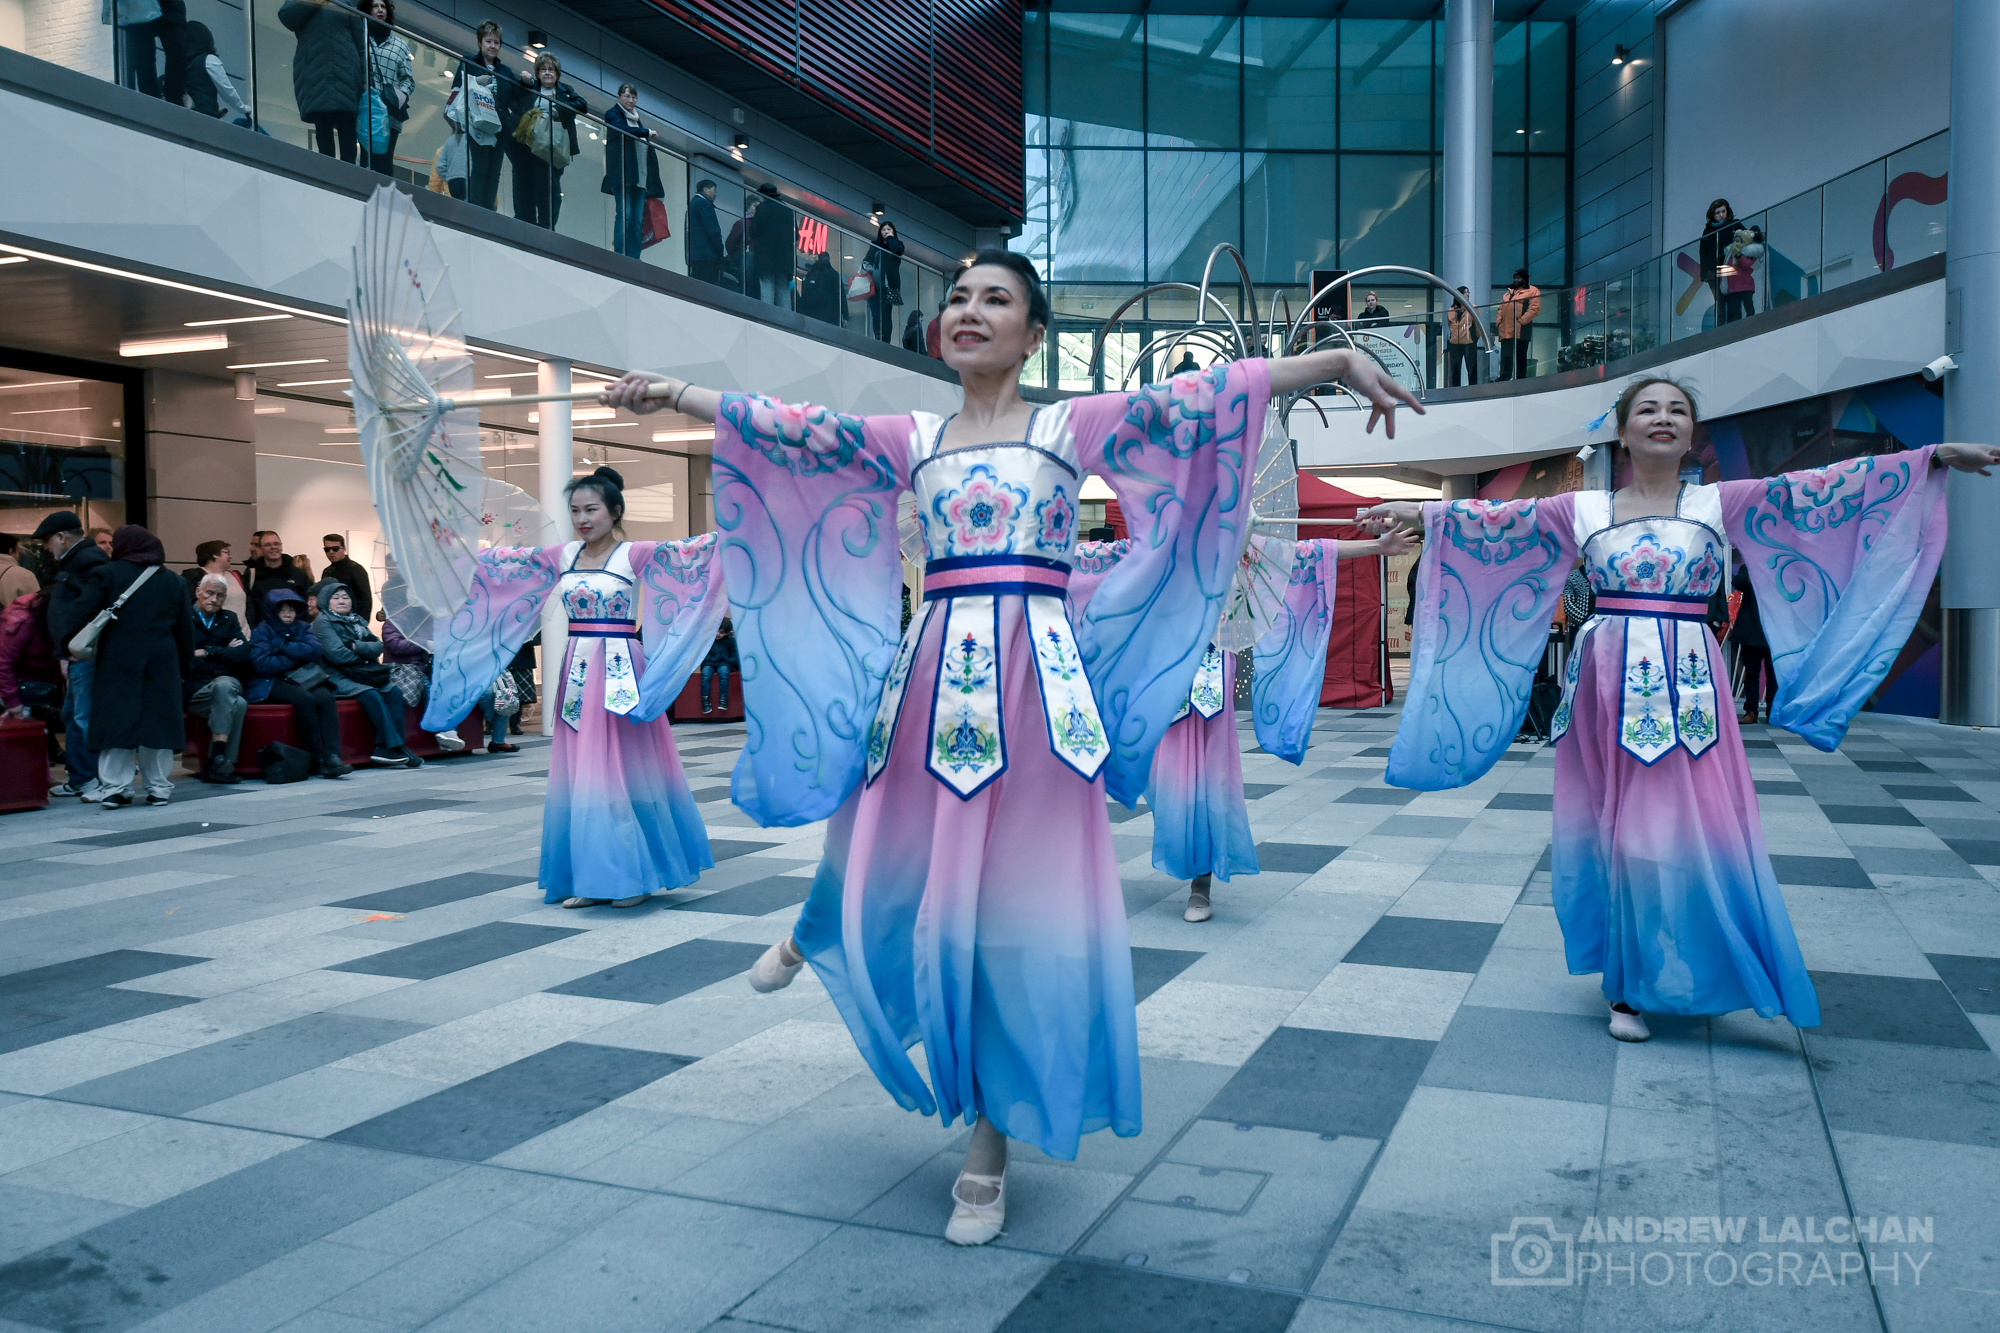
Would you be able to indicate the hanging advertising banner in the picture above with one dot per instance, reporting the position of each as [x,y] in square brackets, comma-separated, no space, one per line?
[1332,307]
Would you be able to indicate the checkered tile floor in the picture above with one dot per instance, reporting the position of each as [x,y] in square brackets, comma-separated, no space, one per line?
[316,1058]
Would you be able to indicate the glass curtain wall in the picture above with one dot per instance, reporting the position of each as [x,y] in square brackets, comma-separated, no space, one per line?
[1308,143]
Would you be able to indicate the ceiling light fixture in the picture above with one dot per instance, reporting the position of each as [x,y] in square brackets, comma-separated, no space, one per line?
[239,319]
[280,411]
[14,259]
[342,430]
[483,395]
[266,365]
[683,436]
[199,342]
[738,143]
[579,414]
[307,384]
[537,40]
[39,384]
[512,375]
[1618,56]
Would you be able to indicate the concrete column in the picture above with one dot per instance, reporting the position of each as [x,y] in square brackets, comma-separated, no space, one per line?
[1465,486]
[557,456]
[1468,146]
[1971,694]
[201,467]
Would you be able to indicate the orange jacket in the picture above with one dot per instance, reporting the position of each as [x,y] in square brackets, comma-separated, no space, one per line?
[1519,306]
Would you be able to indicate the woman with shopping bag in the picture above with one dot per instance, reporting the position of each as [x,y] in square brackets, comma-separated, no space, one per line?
[485,94]
[547,131]
[390,83]
[628,188]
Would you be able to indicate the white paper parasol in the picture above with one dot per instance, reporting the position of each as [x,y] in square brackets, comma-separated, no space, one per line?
[507,516]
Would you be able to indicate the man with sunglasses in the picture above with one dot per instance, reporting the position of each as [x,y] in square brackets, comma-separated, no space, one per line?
[343,570]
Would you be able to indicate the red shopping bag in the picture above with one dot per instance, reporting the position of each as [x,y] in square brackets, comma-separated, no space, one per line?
[655,227]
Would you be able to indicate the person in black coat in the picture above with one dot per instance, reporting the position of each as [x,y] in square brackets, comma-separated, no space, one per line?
[629,187]
[343,568]
[821,291]
[1716,239]
[329,70]
[537,178]
[213,689]
[482,160]
[269,567]
[1753,652]
[773,247]
[76,562]
[885,257]
[704,238]
[142,657]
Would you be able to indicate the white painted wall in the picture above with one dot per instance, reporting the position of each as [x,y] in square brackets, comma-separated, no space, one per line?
[1877,340]
[1767,98]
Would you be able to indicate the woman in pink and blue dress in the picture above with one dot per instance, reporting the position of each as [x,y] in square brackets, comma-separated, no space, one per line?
[619,824]
[1661,879]
[968,898]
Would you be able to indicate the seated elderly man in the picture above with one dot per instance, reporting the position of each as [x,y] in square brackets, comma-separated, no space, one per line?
[214,689]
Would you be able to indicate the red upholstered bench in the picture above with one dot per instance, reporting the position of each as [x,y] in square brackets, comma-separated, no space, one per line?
[24,764]
[687,705]
[265,723]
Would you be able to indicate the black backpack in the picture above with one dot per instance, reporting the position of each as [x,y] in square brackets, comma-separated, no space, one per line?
[284,763]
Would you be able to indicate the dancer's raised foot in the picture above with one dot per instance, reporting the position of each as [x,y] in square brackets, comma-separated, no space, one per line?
[1627,1025]
[974,1222]
[1197,903]
[775,970]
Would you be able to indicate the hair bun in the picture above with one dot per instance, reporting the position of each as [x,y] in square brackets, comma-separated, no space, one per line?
[610,475]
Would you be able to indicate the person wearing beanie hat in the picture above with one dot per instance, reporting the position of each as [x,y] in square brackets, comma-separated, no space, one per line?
[352,657]
[61,535]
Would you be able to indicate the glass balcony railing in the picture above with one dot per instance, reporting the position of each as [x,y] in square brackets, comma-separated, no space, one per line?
[294,70]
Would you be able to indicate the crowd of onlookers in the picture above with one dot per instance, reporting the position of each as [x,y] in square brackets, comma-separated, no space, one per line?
[121,688]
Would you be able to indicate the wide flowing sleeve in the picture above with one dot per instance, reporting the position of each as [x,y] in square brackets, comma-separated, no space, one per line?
[1841,558]
[509,586]
[1487,589]
[805,515]
[684,605]
[1089,563]
[1180,458]
[1290,660]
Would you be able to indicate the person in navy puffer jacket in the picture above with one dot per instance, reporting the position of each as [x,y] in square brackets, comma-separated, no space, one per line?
[285,654]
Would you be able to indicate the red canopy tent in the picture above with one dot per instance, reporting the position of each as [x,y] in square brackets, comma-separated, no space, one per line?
[1355,675]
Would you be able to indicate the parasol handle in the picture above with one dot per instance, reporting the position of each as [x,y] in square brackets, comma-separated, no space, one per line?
[657,390]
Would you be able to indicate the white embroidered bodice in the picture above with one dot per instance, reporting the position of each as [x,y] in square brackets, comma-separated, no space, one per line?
[997,499]
[1683,556]
[603,609]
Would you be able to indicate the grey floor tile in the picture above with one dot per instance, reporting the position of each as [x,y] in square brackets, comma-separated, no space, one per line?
[1961,1183]
[1869,814]
[389,810]
[1421,826]
[1832,872]
[1891,766]
[1238,1202]
[32,1219]
[656,978]
[1566,1057]
[1050,1205]
[133,837]
[1425,942]
[1940,792]
[770,894]
[1172,1094]
[1521,800]
[1081,1297]
[1294,857]
[487,1115]
[1894,1009]
[457,951]
[1154,968]
[1951,1095]
[432,892]
[1376,796]
[223,1069]
[724,849]
[38,985]
[1119,814]
[1933,861]
[1324,1082]
[867,1281]
[1976,851]
[117,1275]
[1974,982]
[1773,787]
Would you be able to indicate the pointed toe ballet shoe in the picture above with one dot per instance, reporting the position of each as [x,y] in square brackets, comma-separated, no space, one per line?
[1629,1027]
[977,1223]
[771,972]
[574,903]
[1197,908]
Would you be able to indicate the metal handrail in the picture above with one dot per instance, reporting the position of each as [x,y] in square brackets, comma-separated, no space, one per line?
[1478,325]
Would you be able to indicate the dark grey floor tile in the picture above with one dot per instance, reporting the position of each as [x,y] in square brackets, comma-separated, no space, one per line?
[455,952]
[1324,1082]
[1976,851]
[724,848]
[1257,791]
[132,837]
[1894,815]
[180,1083]
[1912,1010]
[1973,982]
[496,1111]
[1522,800]
[1517,757]
[755,898]
[1526,1054]
[1943,1094]
[535,773]
[1941,792]
[1826,872]
[1421,826]
[696,752]
[1424,942]
[89,972]
[1547,865]
[1750,744]
[1078,1297]
[1933,861]
[1154,968]
[130,1270]
[1302,858]
[432,892]
[706,794]
[1374,752]
[1119,814]
[413,806]
[1772,787]
[1376,796]
[1891,766]
[667,975]
[32,1023]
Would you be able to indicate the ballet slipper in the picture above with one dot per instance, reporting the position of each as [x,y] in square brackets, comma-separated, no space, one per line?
[977,1223]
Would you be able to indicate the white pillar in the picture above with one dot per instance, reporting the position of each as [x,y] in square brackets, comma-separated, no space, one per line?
[1468,147]
[1971,693]
[557,455]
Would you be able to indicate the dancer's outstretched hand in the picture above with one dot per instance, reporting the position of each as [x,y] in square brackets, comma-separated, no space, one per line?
[1391,517]
[1396,541]
[1968,457]
[628,391]
[1367,379]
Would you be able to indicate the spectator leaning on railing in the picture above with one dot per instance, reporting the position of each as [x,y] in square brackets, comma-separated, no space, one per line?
[885,257]
[1461,354]
[328,70]
[1515,321]
[704,233]
[545,134]
[630,187]
[391,75]
[210,90]
[143,654]
[214,685]
[773,243]
[486,101]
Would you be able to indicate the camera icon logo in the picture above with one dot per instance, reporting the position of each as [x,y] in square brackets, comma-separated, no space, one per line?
[1532,1253]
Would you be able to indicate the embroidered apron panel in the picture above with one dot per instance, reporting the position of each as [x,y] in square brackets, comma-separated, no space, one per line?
[580,653]
[882,732]
[1694,687]
[1076,732]
[968,747]
[1646,712]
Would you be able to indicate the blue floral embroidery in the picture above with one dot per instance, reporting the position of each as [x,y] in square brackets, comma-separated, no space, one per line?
[1493,532]
[978,516]
[969,668]
[1055,522]
[970,744]
[1099,557]
[1078,730]
[805,441]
